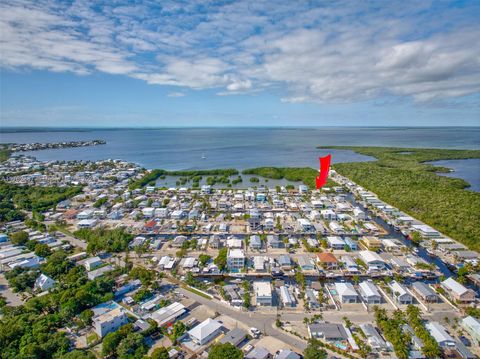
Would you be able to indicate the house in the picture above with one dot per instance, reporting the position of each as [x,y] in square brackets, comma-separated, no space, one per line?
[87,223]
[263,293]
[259,263]
[234,294]
[350,265]
[371,243]
[305,225]
[426,231]
[178,214]
[92,263]
[311,296]
[369,292]
[328,214]
[374,340]
[235,259]
[235,337]
[330,332]
[327,260]
[205,332]
[96,273]
[178,241]
[400,293]
[346,292]
[168,314]
[86,214]
[306,263]
[302,188]
[335,242]
[440,334]
[109,321]
[43,283]
[258,353]
[274,241]
[358,214]
[353,245]
[285,261]
[372,260]
[458,292]
[255,242]
[472,327]
[287,354]
[425,292]
[287,299]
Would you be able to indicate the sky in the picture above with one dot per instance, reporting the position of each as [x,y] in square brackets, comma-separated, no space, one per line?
[202,63]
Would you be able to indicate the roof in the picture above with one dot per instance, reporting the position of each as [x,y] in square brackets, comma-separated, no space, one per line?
[329,330]
[423,289]
[287,354]
[454,286]
[345,289]
[234,336]
[369,256]
[262,289]
[369,289]
[205,329]
[398,288]
[472,323]
[438,332]
[327,257]
[258,353]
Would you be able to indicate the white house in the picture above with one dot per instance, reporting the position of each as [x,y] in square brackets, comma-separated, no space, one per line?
[369,292]
[346,292]
[440,335]
[205,332]
[263,293]
[92,263]
[372,260]
[109,321]
[400,293]
[235,259]
[335,242]
[43,283]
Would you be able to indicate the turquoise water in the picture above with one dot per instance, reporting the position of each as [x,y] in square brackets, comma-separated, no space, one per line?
[183,148]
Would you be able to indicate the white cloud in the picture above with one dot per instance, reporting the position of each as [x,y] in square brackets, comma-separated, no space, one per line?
[336,52]
[176,94]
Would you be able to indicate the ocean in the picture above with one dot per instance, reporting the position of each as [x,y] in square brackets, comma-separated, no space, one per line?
[183,148]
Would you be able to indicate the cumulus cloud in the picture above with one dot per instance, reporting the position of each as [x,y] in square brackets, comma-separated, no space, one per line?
[334,52]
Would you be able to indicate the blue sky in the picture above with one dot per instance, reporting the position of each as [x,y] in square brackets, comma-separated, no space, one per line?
[239,63]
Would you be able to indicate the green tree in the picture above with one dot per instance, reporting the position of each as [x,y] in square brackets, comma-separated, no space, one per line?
[225,351]
[314,350]
[160,353]
[42,250]
[19,238]
[110,343]
[221,259]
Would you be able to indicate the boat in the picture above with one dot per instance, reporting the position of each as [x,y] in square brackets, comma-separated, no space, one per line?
[430,252]
[203,156]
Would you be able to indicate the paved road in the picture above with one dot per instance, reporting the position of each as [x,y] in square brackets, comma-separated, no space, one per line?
[12,298]
[251,319]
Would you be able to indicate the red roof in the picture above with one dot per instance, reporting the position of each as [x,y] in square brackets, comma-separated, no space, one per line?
[327,257]
[150,224]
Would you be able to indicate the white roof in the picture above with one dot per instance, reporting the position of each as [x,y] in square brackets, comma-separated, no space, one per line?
[204,329]
[472,323]
[334,240]
[454,286]
[369,256]
[236,253]
[345,289]
[438,332]
[369,289]
[397,288]
[262,289]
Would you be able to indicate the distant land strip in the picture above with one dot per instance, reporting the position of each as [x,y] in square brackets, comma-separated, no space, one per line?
[401,178]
